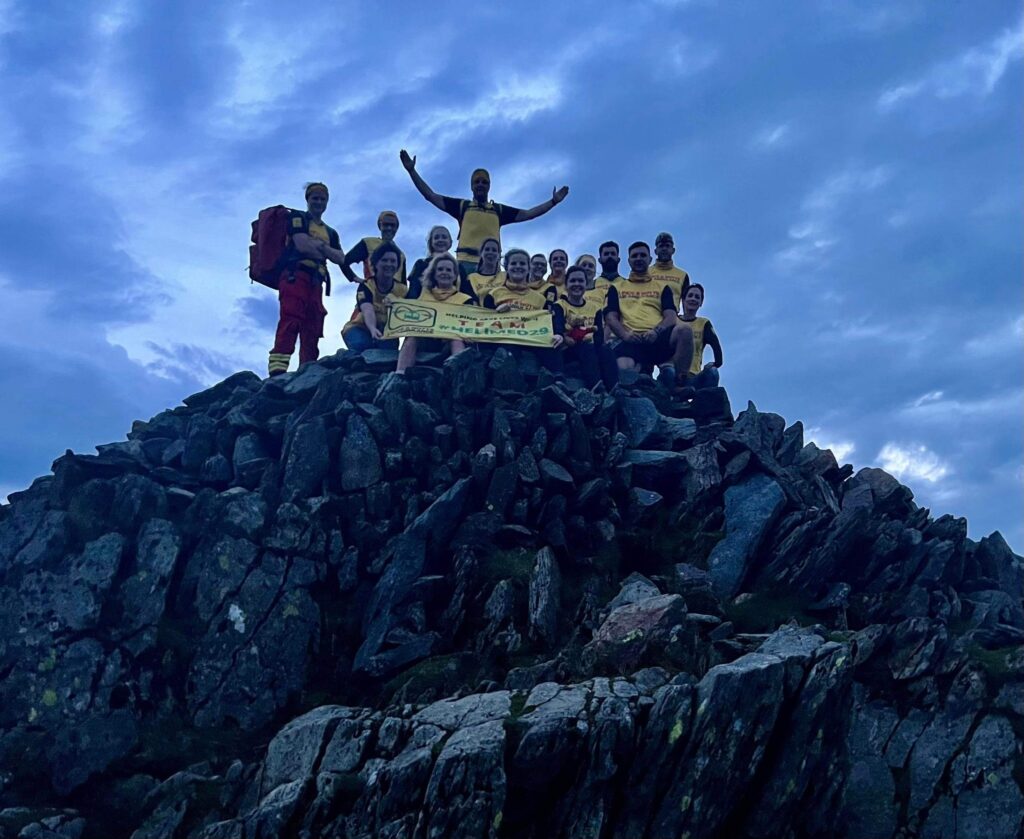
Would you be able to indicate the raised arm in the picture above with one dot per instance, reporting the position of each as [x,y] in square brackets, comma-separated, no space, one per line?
[410,166]
[557,197]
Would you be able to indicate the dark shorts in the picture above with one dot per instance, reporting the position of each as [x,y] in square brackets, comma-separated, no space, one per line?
[644,354]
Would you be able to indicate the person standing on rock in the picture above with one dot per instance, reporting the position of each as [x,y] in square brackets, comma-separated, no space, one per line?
[479,218]
[641,313]
[300,290]
[692,372]
[439,286]
[589,265]
[373,297]
[559,261]
[387,224]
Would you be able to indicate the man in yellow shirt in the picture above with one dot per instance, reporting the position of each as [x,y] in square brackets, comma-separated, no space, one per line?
[387,224]
[538,271]
[478,218]
[665,269]
[641,313]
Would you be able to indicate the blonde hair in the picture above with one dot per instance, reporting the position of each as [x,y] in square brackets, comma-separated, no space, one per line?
[428,275]
[430,236]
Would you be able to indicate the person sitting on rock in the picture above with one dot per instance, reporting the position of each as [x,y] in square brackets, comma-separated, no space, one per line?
[478,218]
[538,271]
[694,334]
[438,286]
[439,240]
[584,331]
[589,265]
[373,297]
[300,290]
[641,313]
[515,294]
[487,274]
[387,224]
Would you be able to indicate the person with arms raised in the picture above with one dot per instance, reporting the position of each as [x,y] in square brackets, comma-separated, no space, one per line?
[438,286]
[312,244]
[479,218]
[373,297]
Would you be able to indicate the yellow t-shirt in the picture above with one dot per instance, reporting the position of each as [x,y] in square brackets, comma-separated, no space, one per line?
[302,223]
[367,292]
[454,296]
[676,277]
[526,299]
[601,285]
[583,317]
[482,283]
[640,302]
[365,248]
[697,325]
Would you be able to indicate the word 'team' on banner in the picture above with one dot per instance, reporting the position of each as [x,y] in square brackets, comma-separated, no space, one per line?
[427,319]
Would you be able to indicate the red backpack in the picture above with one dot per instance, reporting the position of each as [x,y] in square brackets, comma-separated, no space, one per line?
[270,249]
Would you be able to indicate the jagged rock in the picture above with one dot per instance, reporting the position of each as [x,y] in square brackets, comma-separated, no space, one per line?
[338,535]
[545,585]
[750,510]
[359,457]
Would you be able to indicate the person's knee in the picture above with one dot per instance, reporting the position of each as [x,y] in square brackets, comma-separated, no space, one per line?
[358,339]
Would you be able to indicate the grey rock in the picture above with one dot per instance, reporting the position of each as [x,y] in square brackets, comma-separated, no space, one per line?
[544,591]
[308,461]
[359,457]
[751,508]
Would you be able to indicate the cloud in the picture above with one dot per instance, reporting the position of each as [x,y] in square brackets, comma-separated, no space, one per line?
[773,136]
[975,72]
[912,462]
[814,236]
[842,449]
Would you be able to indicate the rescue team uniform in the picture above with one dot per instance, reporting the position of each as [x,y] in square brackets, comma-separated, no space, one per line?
[584,324]
[355,334]
[453,296]
[476,223]
[674,276]
[602,282]
[703,336]
[362,251]
[299,291]
[527,299]
[640,303]
[418,267]
[479,284]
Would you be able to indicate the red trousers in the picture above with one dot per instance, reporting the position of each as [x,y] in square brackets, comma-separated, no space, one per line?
[302,317]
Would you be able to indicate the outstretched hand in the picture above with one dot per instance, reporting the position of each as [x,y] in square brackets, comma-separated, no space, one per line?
[408,162]
[558,195]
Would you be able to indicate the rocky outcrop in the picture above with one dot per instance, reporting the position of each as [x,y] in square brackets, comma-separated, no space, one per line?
[479,601]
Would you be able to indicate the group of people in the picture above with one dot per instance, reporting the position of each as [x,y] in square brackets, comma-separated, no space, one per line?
[605,322]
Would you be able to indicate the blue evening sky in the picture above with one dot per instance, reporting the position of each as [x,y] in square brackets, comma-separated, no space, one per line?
[844,177]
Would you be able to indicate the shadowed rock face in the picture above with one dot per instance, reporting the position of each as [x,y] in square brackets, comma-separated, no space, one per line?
[479,602]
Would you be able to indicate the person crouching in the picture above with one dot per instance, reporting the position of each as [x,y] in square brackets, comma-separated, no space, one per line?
[439,286]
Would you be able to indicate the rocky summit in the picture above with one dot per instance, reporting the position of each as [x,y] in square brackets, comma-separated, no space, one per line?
[477,601]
